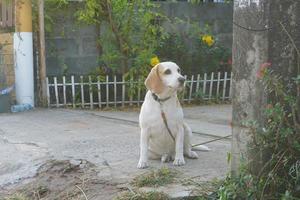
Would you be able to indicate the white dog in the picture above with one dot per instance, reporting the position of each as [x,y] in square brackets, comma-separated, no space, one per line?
[164,135]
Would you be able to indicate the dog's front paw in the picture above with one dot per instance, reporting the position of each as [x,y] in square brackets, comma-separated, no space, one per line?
[142,164]
[179,161]
[193,155]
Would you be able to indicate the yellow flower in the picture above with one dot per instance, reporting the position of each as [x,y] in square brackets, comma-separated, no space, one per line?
[208,39]
[154,61]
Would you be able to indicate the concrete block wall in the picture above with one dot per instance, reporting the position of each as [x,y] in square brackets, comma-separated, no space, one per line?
[217,15]
[7,73]
[71,48]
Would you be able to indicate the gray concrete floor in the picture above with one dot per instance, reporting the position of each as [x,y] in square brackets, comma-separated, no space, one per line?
[109,139]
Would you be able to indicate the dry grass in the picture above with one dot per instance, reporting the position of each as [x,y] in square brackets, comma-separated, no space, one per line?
[17,196]
[131,195]
[155,178]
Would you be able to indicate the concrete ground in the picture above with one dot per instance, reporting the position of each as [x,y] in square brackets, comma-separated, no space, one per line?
[109,139]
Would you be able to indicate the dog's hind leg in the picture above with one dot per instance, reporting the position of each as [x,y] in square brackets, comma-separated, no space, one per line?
[187,143]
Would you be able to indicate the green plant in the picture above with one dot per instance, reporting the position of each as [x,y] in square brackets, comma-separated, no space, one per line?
[155,178]
[199,95]
[129,33]
[51,8]
[17,196]
[132,195]
[277,143]
[194,49]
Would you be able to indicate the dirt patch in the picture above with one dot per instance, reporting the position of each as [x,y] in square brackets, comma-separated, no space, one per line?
[63,180]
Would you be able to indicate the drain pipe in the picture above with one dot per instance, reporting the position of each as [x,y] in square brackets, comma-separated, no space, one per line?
[23,53]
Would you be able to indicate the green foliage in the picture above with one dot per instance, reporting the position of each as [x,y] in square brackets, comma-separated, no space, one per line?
[155,178]
[277,143]
[129,33]
[16,196]
[133,195]
[243,186]
[187,49]
[201,1]
[51,7]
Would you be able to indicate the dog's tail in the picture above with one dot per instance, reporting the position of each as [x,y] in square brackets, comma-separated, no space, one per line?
[200,148]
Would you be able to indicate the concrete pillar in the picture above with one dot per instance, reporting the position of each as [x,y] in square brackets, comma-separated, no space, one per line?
[258,38]
[23,52]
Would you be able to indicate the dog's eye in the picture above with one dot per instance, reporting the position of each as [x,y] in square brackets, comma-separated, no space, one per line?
[179,71]
[168,71]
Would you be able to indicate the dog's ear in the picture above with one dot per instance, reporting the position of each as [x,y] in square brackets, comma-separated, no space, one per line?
[153,82]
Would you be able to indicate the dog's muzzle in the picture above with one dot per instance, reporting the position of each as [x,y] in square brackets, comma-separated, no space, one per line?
[181,80]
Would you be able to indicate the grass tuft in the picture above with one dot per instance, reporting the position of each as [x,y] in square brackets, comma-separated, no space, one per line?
[142,196]
[17,196]
[155,178]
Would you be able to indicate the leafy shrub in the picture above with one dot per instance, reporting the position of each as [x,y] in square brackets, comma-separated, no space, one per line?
[278,143]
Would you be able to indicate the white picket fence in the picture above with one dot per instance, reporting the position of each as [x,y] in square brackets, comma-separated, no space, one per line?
[80,91]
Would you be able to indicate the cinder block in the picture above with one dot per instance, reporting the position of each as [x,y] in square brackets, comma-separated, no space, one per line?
[7,49]
[6,38]
[8,59]
[89,46]
[10,70]
[10,80]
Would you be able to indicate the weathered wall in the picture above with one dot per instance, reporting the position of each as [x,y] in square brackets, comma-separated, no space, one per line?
[72,49]
[217,15]
[261,40]
[7,74]
[249,52]
[281,51]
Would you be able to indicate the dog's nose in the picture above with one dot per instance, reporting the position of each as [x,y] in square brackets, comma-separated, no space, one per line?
[181,80]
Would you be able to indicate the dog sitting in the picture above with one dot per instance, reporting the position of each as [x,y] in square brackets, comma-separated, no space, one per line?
[164,135]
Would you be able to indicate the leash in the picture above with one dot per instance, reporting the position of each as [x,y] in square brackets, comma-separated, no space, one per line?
[135,122]
[227,136]
[163,116]
[162,113]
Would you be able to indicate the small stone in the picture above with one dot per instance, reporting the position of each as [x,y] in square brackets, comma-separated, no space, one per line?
[75,162]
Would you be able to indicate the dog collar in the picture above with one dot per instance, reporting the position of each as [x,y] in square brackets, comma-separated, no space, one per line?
[156,98]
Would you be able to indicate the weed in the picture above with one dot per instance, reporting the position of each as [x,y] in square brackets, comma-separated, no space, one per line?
[142,196]
[155,178]
[17,196]
[276,144]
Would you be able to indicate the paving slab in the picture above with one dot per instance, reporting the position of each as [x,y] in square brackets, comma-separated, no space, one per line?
[110,140]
